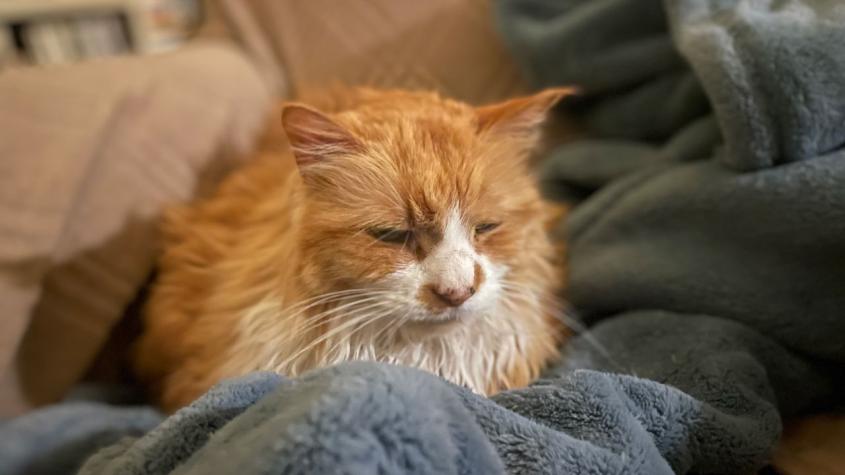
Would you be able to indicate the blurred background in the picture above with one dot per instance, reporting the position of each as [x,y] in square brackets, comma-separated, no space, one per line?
[44,32]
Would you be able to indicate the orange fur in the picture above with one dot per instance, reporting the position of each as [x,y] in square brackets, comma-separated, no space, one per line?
[238,269]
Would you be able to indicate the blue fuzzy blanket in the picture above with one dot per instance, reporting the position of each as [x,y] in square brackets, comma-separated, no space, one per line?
[707,253]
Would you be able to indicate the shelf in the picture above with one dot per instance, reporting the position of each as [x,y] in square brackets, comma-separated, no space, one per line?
[25,10]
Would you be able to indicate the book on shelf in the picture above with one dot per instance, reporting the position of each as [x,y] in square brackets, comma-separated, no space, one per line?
[62,31]
[58,40]
[100,36]
[8,50]
[44,44]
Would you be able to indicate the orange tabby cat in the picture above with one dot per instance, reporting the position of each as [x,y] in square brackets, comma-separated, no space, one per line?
[412,234]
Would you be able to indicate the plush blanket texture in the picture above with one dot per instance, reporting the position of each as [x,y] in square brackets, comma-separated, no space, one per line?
[707,253]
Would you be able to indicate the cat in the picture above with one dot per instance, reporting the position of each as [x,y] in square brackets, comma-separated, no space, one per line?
[413,233]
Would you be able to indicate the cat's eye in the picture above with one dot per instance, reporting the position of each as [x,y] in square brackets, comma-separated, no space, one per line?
[486,227]
[390,235]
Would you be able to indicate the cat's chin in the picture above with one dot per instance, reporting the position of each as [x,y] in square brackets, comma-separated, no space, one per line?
[422,329]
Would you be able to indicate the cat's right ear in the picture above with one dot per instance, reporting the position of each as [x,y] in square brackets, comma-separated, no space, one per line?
[314,136]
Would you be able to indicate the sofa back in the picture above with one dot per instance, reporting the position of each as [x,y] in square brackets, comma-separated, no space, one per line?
[445,45]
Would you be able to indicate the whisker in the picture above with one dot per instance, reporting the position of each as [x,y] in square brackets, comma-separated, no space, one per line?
[352,322]
[319,319]
[349,338]
[395,324]
[559,307]
[338,294]
[358,326]
[328,298]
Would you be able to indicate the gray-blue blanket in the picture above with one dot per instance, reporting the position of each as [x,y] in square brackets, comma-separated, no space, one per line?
[707,253]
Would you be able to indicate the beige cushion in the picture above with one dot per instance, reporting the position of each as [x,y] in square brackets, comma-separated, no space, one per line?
[445,45]
[90,155]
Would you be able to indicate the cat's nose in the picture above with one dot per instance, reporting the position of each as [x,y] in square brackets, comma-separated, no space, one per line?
[453,296]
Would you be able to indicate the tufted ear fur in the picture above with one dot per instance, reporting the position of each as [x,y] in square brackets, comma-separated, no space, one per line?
[520,117]
[314,136]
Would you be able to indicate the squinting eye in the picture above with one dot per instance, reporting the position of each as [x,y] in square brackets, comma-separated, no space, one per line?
[486,227]
[392,236]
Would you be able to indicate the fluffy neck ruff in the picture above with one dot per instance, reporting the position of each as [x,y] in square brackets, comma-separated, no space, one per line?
[504,348]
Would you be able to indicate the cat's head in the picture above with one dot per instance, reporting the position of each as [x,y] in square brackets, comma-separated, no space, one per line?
[426,202]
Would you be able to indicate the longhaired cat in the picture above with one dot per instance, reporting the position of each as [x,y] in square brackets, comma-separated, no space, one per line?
[413,233]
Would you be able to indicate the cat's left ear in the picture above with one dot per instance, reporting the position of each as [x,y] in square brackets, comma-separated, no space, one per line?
[314,136]
[520,117]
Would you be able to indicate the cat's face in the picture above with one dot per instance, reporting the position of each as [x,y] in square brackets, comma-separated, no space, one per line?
[424,201]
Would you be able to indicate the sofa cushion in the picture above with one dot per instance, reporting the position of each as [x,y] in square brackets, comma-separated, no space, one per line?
[90,155]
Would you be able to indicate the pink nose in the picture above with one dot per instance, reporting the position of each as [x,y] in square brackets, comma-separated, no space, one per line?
[453,296]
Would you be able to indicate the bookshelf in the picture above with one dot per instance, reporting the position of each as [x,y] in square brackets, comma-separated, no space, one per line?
[44,32]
